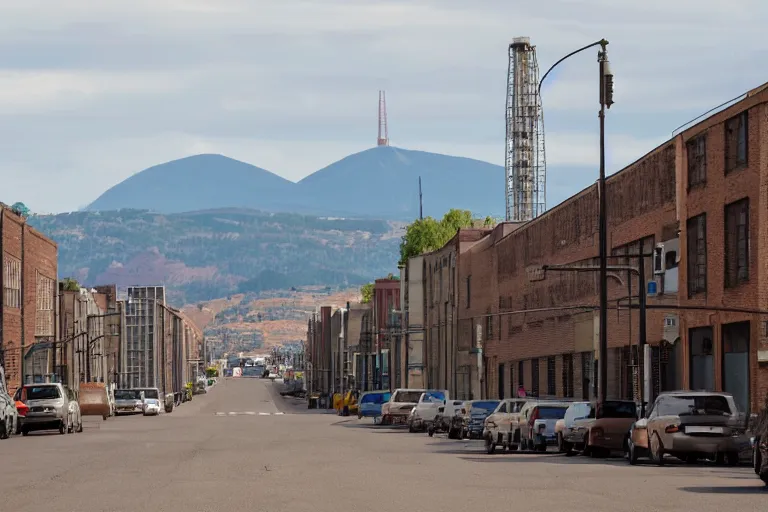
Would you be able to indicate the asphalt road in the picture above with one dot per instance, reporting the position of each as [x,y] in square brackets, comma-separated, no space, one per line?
[198,459]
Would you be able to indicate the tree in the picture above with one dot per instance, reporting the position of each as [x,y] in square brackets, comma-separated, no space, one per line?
[428,234]
[70,284]
[367,292]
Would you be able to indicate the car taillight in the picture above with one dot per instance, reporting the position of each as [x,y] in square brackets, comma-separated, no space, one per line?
[671,429]
[22,408]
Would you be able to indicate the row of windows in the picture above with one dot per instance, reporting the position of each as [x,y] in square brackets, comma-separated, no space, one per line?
[566,376]
[736,253]
[736,150]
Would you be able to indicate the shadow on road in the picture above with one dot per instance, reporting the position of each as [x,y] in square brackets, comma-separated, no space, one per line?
[758,488]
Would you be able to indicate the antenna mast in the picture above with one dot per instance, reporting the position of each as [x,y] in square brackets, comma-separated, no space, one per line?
[525,160]
[383,139]
[421,204]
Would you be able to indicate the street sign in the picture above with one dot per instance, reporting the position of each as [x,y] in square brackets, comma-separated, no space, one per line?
[652,288]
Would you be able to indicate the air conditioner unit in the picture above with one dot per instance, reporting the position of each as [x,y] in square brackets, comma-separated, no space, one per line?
[658,259]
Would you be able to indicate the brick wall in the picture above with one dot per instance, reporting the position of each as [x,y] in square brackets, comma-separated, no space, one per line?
[36,254]
[710,198]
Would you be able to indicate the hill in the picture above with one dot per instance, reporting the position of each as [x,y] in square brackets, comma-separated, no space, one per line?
[245,322]
[381,182]
[210,254]
[198,182]
[384,182]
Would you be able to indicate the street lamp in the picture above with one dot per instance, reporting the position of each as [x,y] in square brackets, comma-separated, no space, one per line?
[605,85]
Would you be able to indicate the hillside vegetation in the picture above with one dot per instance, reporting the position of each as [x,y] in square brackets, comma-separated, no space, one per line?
[210,254]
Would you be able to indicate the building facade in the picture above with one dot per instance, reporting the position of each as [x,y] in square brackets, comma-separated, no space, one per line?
[28,303]
[685,226]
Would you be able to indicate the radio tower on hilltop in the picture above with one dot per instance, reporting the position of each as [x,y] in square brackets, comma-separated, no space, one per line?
[383,139]
[524,163]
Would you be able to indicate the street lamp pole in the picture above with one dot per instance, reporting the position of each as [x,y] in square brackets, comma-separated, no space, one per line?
[606,100]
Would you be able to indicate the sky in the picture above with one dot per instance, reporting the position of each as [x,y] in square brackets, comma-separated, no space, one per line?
[93,91]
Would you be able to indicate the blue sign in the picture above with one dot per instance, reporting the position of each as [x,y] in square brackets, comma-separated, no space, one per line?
[652,288]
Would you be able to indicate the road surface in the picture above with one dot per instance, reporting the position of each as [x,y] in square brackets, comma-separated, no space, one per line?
[232,450]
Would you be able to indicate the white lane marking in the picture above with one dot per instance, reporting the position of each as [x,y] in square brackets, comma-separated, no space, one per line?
[232,413]
[221,414]
[250,413]
[279,413]
[263,414]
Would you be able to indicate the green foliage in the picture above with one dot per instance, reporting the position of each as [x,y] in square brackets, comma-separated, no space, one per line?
[211,372]
[367,292]
[70,284]
[428,234]
[248,251]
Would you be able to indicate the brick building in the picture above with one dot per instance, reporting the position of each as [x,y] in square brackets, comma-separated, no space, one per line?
[27,305]
[386,332]
[686,208]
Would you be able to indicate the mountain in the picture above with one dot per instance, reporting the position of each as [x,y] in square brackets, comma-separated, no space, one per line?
[384,182]
[209,254]
[198,182]
[381,182]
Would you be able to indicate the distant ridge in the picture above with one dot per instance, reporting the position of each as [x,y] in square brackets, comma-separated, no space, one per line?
[380,182]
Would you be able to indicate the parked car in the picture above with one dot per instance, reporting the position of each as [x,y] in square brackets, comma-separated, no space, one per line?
[760,445]
[371,402]
[400,405]
[151,407]
[689,425]
[51,407]
[537,423]
[472,417]
[128,401]
[501,427]
[603,430]
[8,412]
[448,419]
[426,409]
[576,410]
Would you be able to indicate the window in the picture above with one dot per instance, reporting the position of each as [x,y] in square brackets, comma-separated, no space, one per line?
[11,282]
[736,142]
[501,381]
[469,290]
[489,326]
[44,310]
[520,374]
[551,377]
[568,375]
[737,243]
[535,377]
[697,161]
[697,254]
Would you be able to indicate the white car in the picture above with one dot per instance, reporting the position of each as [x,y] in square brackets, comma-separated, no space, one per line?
[423,415]
[151,407]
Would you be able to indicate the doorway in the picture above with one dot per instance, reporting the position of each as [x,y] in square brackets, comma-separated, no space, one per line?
[736,362]
[702,376]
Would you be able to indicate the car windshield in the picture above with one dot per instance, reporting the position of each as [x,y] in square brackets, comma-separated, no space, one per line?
[407,396]
[488,406]
[152,401]
[619,410]
[551,413]
[375,398]
[126,394]
[690,405]
[150,393]
[434,396]
[42,392]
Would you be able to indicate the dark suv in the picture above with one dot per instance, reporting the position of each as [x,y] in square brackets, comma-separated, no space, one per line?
[760,445]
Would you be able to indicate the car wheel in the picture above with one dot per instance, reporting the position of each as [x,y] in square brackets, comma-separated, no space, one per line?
[656,449]
[560,446]
[63,428]
[24,431]
[490,446]
[756,460]
[631,452]
[4,429]
[430,432]
[79,426]
[732,458]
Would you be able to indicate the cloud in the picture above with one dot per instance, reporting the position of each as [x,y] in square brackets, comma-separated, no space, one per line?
[91,92]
